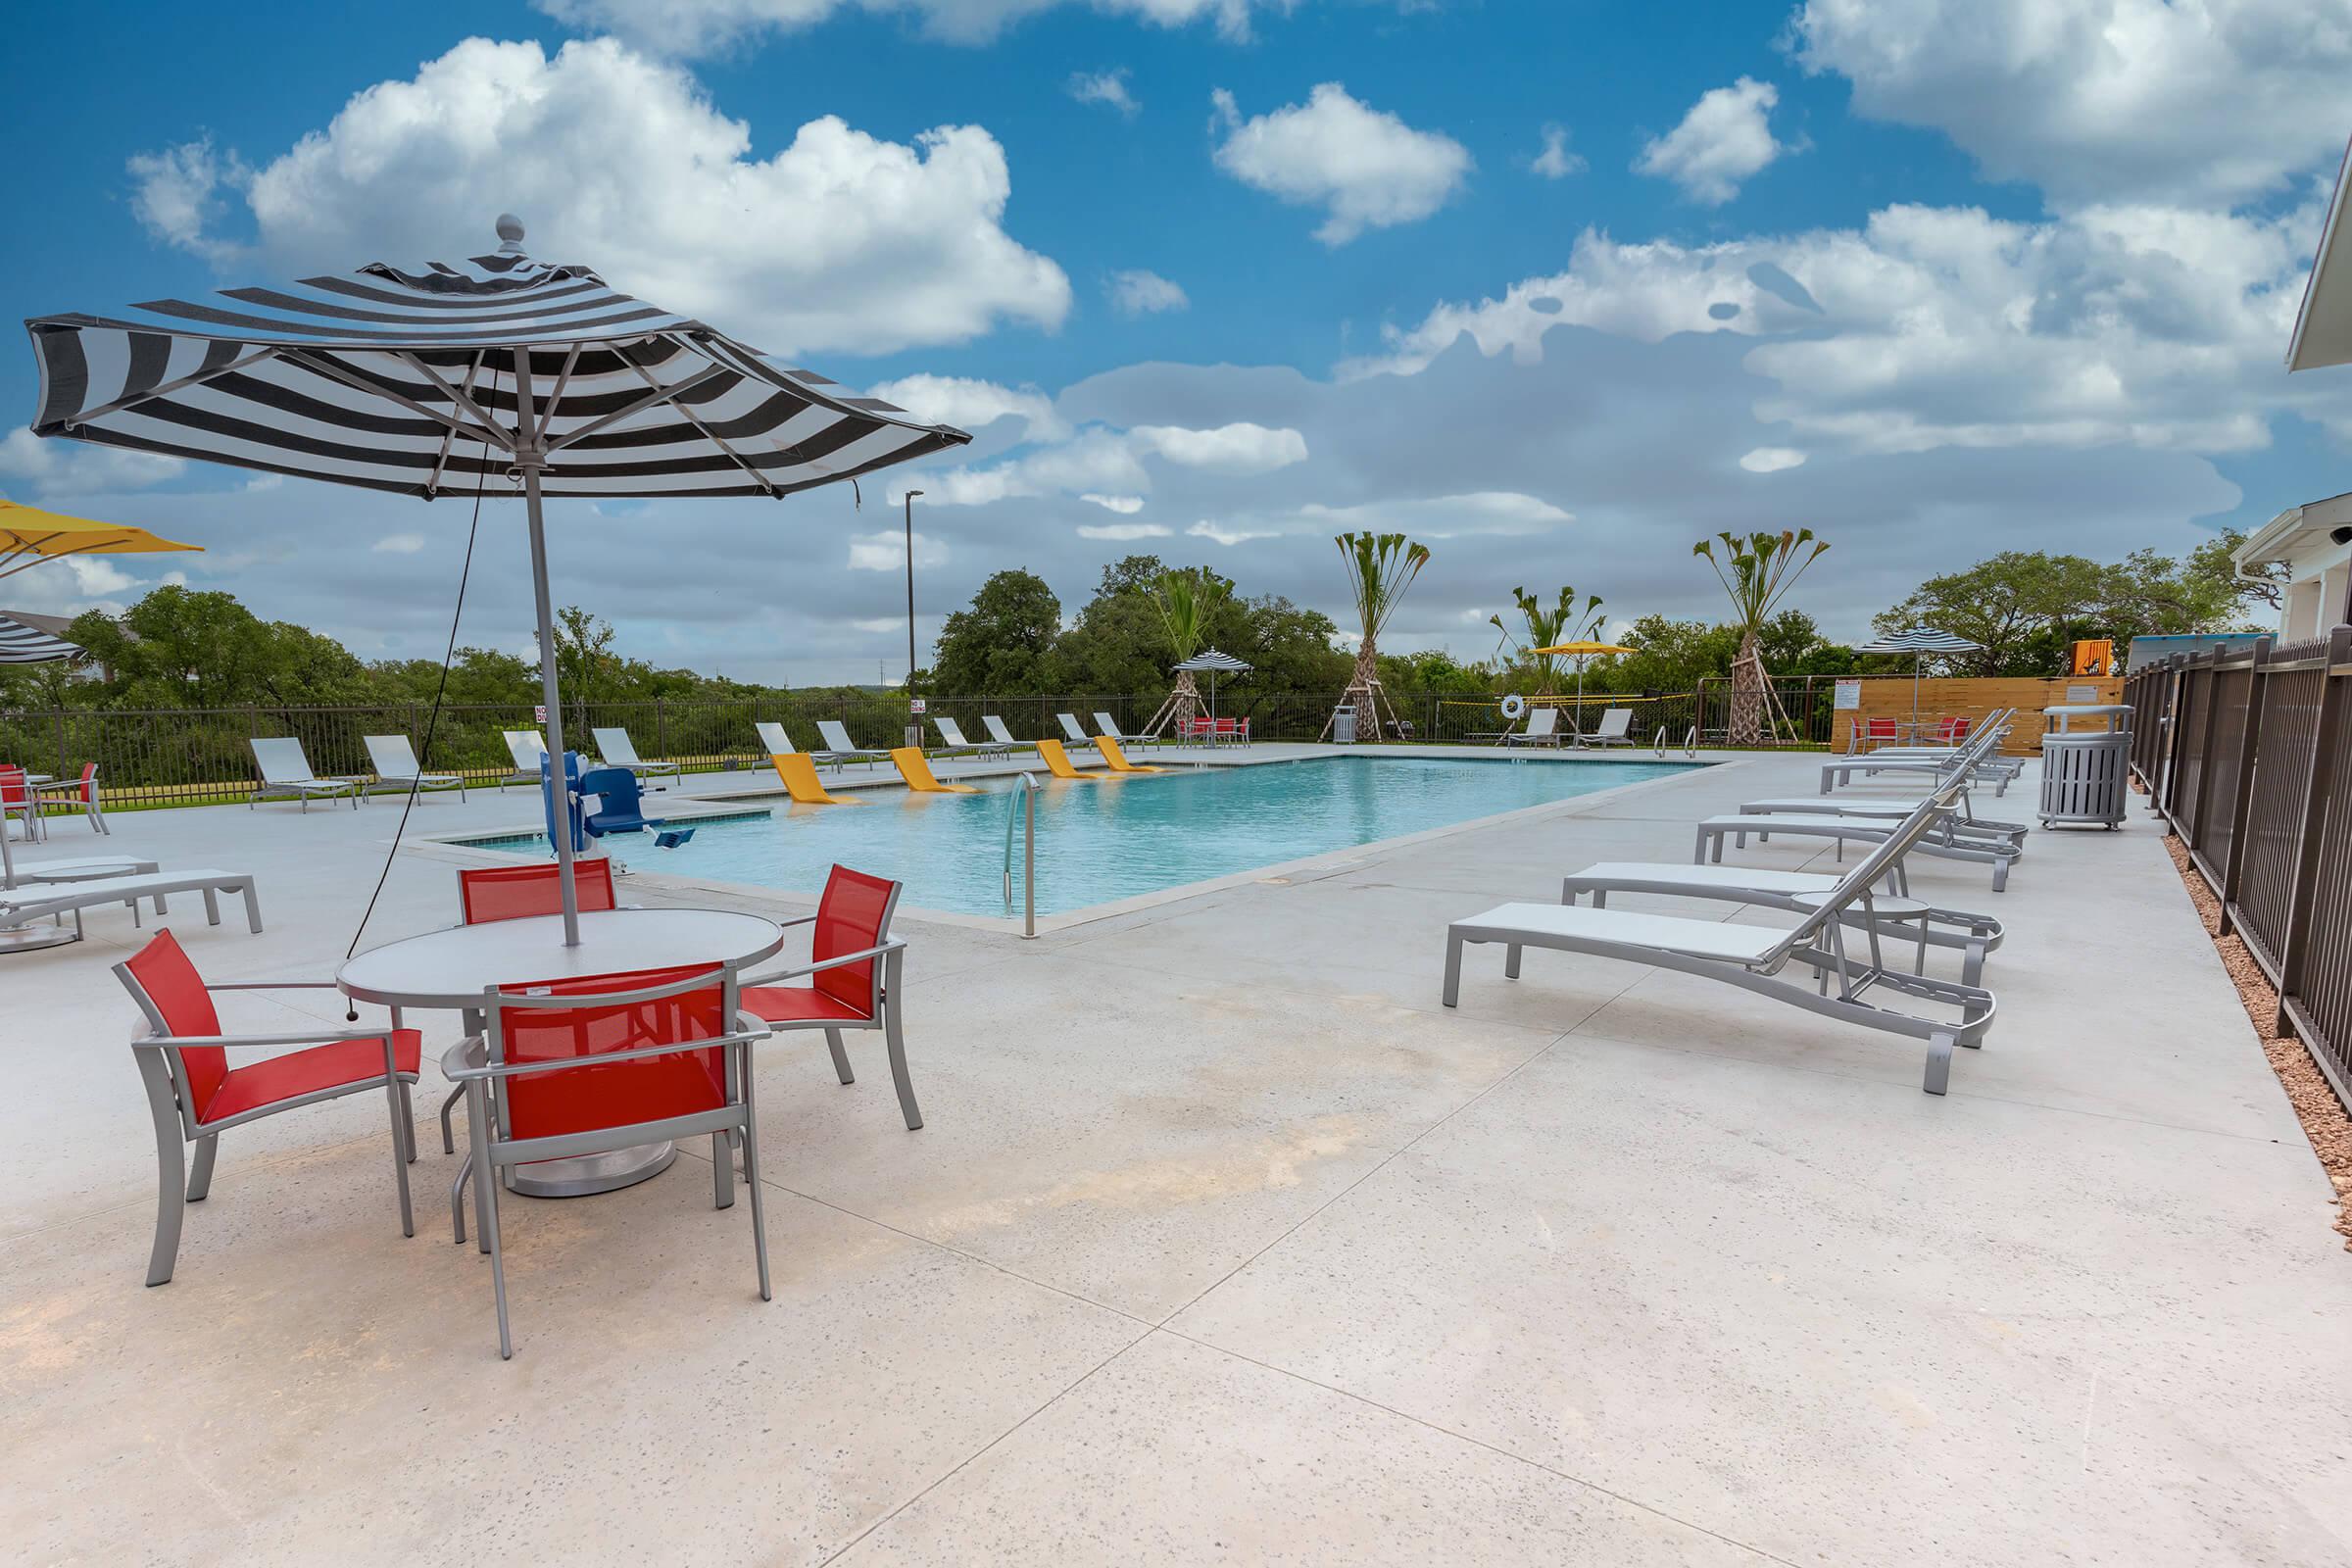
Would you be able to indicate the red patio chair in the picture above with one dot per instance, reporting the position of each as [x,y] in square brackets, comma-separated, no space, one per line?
[517,893]
[195,1095]
[600,1062]
[17,800]
[854,972]
[84,793]
[1873,732]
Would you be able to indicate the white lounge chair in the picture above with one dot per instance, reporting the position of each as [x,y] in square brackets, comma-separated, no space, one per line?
[619,750]
[396,768]
[1940,838]
[840,749]
[526,747]
[1615,730]
[1752,957]
[1972,936]
[22,907]
[1073,732]
[1002,736]
[774,739]
[1543,730]
[1110,726]
[953,733]
[286,776]
[1884,808]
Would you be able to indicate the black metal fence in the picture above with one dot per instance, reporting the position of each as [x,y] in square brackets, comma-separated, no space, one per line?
[2248,757]
[164,756]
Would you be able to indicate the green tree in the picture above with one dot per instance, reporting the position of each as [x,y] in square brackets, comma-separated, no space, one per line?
[584,659]
[1000,644]
[1381,566]
[1757,571]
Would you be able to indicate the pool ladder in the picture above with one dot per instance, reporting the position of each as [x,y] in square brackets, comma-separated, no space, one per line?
[1024,808]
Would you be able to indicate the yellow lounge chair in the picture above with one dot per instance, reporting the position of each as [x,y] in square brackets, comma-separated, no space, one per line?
[1057,762]
[917,773]
[798,770]
[1116,759]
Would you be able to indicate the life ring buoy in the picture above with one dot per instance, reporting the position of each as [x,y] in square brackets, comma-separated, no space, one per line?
[1514,707]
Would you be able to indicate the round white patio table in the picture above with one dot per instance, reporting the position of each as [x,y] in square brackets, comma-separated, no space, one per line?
[450,969]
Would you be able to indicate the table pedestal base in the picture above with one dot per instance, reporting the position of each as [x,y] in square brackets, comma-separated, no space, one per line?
[586,1174]
[27,938]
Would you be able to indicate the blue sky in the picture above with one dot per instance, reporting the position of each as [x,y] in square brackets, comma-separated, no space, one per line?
[1937,280]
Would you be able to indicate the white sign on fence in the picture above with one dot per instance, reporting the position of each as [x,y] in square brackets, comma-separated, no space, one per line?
[1847,696]
[2082,693]
[539,715]
[917,707]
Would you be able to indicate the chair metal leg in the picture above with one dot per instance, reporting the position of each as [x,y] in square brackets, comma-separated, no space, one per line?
[898,1065]
[400,1158]
[1510,960]
[1939,1064]
[477,1126]
[408,1122]
[171,1181]
[200,1178]
[841,1057]
[723,1172]
[457,1199]
[751,1176]
[448,1144]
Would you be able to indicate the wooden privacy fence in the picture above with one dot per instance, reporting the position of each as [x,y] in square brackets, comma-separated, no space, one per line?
[1973,697]
[2248,757]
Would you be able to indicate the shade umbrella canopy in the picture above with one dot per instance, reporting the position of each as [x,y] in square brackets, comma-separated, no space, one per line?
[1581,651]
[1214,664]
[467,379]
[28,537]
[20,644]
[1919,642]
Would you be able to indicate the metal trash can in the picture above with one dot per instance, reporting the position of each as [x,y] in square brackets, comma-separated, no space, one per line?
[1343,724]
[2083,778]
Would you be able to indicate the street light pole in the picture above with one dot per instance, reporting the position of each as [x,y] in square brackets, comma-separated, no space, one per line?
[915,725]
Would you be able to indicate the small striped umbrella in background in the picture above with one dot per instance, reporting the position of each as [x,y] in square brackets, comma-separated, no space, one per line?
[478,377]
[1919,642]
[20,644]
[1213,663]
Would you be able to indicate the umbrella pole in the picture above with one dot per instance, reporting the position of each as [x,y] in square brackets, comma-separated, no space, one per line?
[1917,659]
[560,824]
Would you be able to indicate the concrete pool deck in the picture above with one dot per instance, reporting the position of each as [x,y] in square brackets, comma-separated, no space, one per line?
[1225,1242]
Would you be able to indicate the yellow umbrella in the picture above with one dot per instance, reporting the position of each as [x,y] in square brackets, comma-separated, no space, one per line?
[1580,651]
[28,537]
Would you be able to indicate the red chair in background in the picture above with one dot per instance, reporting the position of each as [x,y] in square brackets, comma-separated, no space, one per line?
[195,1095]
[1873,733]
[854,972]
[600,1062]
[517,893]
[84,793]
[17,800]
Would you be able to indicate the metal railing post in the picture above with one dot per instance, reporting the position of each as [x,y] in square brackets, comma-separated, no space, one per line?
[2242,797]
[2319,785]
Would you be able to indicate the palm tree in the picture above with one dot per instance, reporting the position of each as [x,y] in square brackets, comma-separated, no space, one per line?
[1758,572]
[1186,599]
[1383,566]
[1563,622]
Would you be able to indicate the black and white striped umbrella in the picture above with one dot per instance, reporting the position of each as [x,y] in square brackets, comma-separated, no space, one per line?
[20,644]
[1919,642]
[479,377]
[1214,664]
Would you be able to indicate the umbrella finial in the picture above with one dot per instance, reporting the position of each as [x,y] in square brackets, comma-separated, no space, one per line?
[510,234]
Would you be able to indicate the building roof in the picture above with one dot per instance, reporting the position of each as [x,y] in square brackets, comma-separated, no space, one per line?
[2295,532]
[2324,326]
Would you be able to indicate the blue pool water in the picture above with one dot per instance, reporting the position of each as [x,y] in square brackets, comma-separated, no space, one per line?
[1100,842]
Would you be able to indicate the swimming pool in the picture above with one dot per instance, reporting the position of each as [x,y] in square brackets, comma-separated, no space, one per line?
[1098,843]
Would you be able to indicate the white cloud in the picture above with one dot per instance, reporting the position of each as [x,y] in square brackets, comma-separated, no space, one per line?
[1125,506]
[1238,447]
[177,194]
[1106,88]
[1449,516]
[1944,327]
[840,240]
[1555,161]
[704,27]
[1724,139]
[1141,293]
[887,552]
[1218,533]
[1367,169]
[880,623]
[1101,461]
[1772,459]
[973,404]
[2101,101]
[399,544]
[55,466]
[1123,531]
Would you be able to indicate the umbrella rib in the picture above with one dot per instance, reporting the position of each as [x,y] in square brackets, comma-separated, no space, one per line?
[650,399]
[449,436]
[460,399]
[12,562]
[193,380]
[547,421]
[709,435]
[358,383]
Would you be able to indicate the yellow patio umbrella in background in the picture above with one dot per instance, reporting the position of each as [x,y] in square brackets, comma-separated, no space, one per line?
[1580,651]
[30,536]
